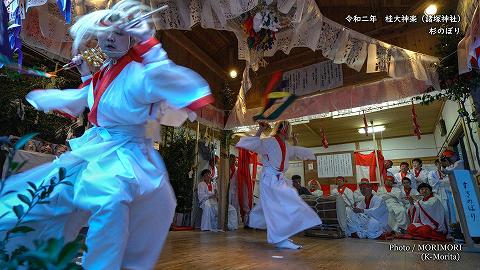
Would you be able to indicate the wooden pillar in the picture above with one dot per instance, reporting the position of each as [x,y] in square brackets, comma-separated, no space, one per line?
[222,182]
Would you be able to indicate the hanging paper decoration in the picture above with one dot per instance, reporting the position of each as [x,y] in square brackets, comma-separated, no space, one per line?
[270,98]
[260,29]
[317,77]
[324,139]
[416,126]
[365,124]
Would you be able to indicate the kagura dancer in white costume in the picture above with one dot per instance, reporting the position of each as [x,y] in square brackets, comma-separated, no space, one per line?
[280,210]
[121,186]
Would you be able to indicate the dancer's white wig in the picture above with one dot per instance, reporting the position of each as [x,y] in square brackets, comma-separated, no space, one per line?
[282,128]
[88,26]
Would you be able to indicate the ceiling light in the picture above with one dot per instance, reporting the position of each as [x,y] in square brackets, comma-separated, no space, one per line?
[431,10]
[375,129]
[233,74]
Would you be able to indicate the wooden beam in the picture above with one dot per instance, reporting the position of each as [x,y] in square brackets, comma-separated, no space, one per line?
[187,44]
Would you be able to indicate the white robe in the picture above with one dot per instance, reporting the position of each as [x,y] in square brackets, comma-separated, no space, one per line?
[397,214]
[233,191]
[210,209]
[441,188]
[430,213]
[406,202]
[121,186]
[317,193]
[422,176]
[348,196]
[279,209]
[372,223]
[411,176]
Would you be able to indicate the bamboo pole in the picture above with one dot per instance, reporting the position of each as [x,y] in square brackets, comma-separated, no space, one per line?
[195,177]
[378,178]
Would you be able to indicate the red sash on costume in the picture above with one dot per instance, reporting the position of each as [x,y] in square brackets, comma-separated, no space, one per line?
[407,193]
[367,202]
[402,174]
[426,214]
[341,190]
[417,173]
[210,187]
[389,189]
[281,143]
[102,79]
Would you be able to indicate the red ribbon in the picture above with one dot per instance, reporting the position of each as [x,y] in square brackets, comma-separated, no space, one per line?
[416,126]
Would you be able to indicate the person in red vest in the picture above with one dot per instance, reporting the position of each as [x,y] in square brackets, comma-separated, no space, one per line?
[428,216]
[343,191]
[280,209]
[121,188]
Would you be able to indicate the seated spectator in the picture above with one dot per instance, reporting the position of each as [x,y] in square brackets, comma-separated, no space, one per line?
[405,172]
[397,214]
[421,175]
[296,180]
[46,148]
[343,191]
[409,195]
[428,216]
[30,146]
[314,188]
[207,197]
[369,218]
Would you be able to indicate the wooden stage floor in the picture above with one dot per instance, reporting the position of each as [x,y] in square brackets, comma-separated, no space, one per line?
[247,249]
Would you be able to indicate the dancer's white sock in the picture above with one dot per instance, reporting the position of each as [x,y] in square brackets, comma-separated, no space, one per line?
[287,245]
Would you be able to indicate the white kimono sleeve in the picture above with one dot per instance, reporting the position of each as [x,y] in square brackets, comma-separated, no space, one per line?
[253,143]
[70,101]
[301,153]
[202,192]
[377,210]
[162,80]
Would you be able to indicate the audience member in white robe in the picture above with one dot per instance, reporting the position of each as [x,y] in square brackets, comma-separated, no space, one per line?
[421,175]
[233,189]
[405,172]
[280,209]
[440,184]
[428,216]
[397,214]
[369,218]
[315,188]
[208,200]
[342,190]
[120,184]
[451,162]
[409,195]
[388,165]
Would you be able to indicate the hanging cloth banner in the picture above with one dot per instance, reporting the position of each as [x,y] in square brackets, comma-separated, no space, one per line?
[317,77]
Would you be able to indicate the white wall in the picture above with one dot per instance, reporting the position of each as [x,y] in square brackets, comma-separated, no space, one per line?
[396,148]
[453,122]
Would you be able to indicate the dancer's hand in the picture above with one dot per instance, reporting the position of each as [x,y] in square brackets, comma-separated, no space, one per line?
[141,31]
[295,139]
[261,127]
[81,65]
